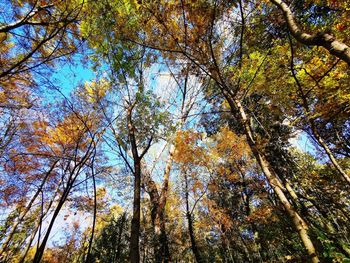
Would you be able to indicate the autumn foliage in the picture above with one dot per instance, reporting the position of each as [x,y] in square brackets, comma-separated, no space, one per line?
[174,131]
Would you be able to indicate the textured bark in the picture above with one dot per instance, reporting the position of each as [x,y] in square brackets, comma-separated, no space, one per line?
[326,40]
[159,221]
[299,223]
[161,248]
[135,221]
[162,253]
[158,203]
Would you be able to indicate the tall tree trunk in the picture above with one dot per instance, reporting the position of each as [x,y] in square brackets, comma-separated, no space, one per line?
[310,120]
[134,252]
[73,174]
[161,248]
[135,222]
[136,215]
[158,203]
[189,217]
[39,253]
[159,221]
[275,183]
[162,253]
[158,200]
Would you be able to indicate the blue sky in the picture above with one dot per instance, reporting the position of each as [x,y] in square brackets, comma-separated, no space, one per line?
[69,76]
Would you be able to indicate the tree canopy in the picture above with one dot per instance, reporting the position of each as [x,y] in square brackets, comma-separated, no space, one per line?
[174,131]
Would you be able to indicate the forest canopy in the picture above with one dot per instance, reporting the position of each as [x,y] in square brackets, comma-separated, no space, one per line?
[174,131]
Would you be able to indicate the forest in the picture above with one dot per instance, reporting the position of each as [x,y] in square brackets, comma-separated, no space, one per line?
[174,131]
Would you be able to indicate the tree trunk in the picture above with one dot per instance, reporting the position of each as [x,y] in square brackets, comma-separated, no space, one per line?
[275,183]
[328,151]
[39,253]
[194,246]
[135,222]
[162,253]
[158,202]
[159,221]
[38,223]
[314,130]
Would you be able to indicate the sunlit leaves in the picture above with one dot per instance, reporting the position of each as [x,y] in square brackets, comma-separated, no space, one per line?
[187,149]
[93,92]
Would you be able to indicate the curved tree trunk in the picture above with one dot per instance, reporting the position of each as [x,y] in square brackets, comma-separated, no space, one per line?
[159,221]
[158,202]
[326,40]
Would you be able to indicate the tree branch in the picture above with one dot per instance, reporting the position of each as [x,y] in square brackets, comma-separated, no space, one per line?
[324,39]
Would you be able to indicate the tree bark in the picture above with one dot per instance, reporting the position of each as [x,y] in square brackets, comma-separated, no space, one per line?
[326,40]
[328,151]
[310,120]
[135,221]
[160,215]
[275,183]
[158,202]
[189,217]
[161,248]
